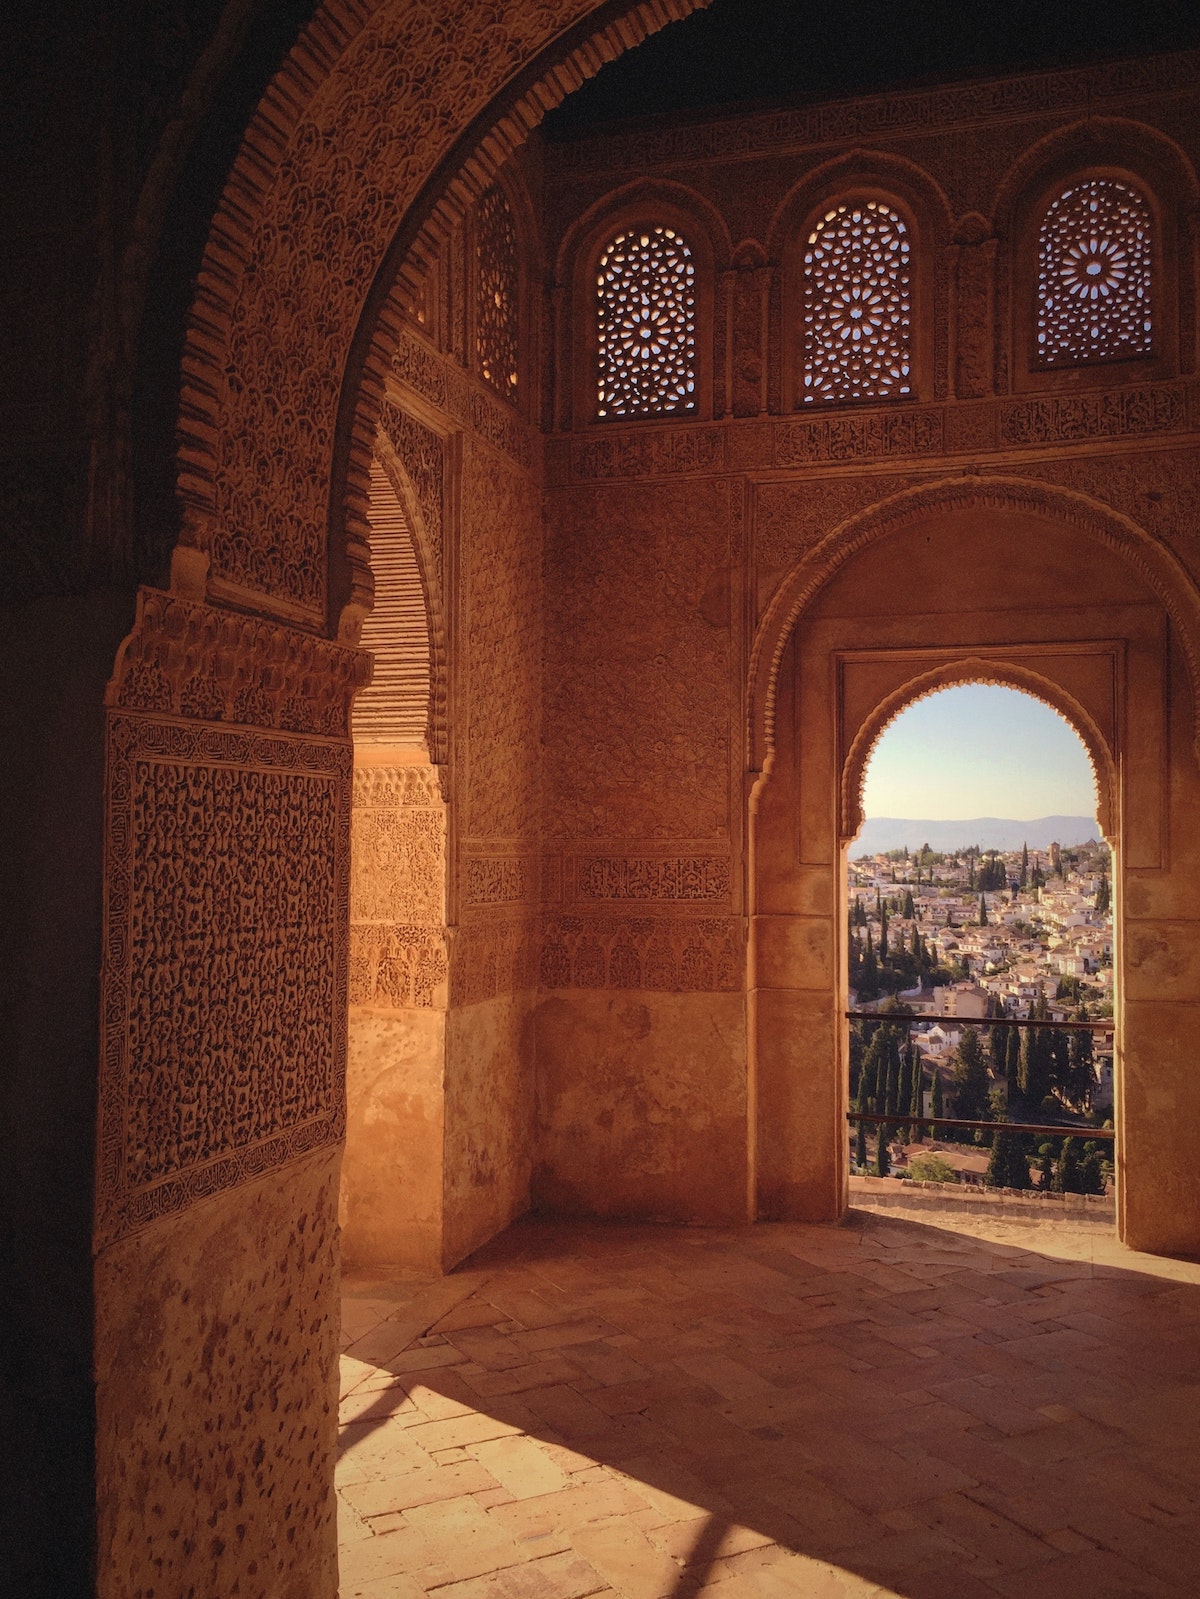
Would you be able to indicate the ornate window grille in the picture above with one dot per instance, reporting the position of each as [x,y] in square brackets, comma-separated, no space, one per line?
[498,294]
[857,305]
[646,324]
[1093,288]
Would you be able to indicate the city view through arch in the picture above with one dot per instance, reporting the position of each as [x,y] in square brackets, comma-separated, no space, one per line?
[979,923]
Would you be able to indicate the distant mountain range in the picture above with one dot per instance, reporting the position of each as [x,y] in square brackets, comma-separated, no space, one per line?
[883,833]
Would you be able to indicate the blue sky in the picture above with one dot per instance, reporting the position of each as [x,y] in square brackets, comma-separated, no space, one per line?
[979,750]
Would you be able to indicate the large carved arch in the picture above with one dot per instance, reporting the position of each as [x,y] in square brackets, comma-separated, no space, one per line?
[349,165]
[1163,574]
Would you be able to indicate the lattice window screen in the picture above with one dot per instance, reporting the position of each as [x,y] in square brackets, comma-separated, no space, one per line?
[497,311]
[394,709]
[1094,268]
[857,305]
[646,321]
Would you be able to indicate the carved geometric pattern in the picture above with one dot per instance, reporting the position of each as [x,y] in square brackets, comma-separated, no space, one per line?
[497,303]
[692,877]
[187,659]
[646,324]
[224,988]
[398,967]
[665,954]
[496,880]
[857,305]
[1093,288]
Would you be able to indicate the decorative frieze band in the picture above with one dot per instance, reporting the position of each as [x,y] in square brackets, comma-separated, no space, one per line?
[666,954]
[897,432]
[918,110]
[497,880]
[682,877]
[392,786]
[187,659]
[398,967]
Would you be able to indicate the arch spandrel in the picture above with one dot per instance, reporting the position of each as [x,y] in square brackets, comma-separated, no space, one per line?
[345,117]
[859,744]
[1164,577]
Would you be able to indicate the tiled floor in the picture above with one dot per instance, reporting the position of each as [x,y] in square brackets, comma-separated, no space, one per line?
[936,1407]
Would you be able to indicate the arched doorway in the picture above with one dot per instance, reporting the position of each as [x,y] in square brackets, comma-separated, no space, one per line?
[964,583]
[965,934]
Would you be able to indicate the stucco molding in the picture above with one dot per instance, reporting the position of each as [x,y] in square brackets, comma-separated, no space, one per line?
[975,668]
[1163,573]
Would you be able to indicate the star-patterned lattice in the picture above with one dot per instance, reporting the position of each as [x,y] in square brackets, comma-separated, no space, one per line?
[1094,267]
[857,305]
[646,322]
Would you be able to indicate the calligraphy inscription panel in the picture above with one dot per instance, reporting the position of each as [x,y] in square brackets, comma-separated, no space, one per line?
[225,960]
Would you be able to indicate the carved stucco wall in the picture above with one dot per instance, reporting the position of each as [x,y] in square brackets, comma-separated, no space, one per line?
[667,542]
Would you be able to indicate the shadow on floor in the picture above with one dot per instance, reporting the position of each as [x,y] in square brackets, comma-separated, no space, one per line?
[887,1407]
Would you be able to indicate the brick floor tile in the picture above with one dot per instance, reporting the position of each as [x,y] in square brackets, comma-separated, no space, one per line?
[459,1431]
[384,1556]
[380,1495]
[561,1576]
[520,1465]
[627,1560]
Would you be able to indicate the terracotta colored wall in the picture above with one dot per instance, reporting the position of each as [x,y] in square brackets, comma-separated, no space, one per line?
[220,1323]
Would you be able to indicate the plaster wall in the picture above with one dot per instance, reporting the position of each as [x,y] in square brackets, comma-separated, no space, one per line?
[216,1355]
[642,1105]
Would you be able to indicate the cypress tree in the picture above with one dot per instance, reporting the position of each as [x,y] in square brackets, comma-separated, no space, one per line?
[1091,1170]
[1045,1179]
[891,1093]
[1081,1074]
[860,1147]
[910,910]
[1024,878]
[983,915]
[883,1158]
[970,1078]
[1012,1064]
[935,1098]
[1103,896]
[1067,1175]
[918,1095]
[904,1086]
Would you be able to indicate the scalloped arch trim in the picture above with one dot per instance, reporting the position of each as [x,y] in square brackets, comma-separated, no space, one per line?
[954,674]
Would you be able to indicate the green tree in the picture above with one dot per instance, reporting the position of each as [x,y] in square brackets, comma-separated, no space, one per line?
[883,1157]
[930,1167]
[983,915]
[1045,1178]
[917,1105]
[971,1078]
[1091,1169]
[1103,896]
[1008,1166]
[910,910]
[1081,1072]
[1067,1174]
[860,1147]
[868,975]
[1034,1069]
[1024,878]
[935,1097]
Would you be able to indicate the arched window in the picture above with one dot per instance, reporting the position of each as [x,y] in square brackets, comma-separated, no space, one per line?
[857,305]
[497,304]
[1093,287]
[646,324]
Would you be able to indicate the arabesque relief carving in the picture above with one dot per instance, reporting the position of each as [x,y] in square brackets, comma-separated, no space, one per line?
[663,953]
[423,456]
[496,880]
[494,953]
[192,660]
[224,978]
[437,379]
[398,967]
[679,877]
